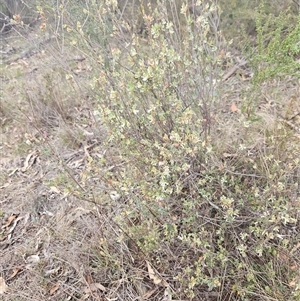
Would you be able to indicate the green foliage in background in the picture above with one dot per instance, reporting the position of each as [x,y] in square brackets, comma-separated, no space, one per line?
[278,46]
[240,15]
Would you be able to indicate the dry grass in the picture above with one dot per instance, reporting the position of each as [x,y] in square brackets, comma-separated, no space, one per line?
[68,235]
[46,119]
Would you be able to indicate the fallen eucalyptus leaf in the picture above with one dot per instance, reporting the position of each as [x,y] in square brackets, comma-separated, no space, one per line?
[3,286]
[152,274]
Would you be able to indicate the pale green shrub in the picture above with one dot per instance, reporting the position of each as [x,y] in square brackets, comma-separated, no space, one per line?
[216,228]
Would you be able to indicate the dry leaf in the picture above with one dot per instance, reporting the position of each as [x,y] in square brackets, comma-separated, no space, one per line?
[292,283]
[15,272]
[153,277]
[233,107]
[293,267]
[227,155]
[295,248]
[3,286]
[26,163]
[149,294]
[33,259]
[26,218]
[47,213]
[55,190]
[5,185]
[10,220]
[29,163]
[52,271]
[115,196]
[13,172]
[167,295]
[93,287]
[54,288]
[89,279]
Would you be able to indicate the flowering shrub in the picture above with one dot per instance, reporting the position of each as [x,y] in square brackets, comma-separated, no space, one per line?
[215,227]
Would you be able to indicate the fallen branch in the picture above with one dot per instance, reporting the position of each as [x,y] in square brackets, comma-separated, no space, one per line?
[233,70]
